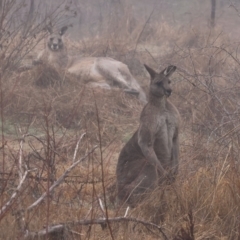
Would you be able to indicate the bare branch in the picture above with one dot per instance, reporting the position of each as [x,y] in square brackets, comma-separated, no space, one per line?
[101,206]
[20,161]
[14,195]
[125,215]
[60,180]
[88,213]
[77,146]
[140,34]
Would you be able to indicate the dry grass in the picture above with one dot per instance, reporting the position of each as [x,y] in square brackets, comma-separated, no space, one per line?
[55,109]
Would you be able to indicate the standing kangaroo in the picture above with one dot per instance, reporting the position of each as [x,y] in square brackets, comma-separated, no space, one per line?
[150,157]
[101,72]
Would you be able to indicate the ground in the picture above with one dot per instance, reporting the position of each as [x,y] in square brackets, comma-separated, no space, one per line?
[48,124]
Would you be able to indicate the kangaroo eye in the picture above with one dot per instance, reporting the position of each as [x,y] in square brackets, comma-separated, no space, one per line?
[59,40]
[51,39]
[169,81]
[159,84]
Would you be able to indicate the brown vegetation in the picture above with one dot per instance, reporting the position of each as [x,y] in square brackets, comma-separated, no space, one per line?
[52,127]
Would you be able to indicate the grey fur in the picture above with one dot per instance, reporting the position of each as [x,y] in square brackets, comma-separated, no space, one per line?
[150,157]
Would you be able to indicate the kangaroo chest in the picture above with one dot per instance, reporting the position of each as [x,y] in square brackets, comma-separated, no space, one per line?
[166,128]
[166,124]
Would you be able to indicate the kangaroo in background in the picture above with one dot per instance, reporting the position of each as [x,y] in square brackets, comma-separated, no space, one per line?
[101,72]
[150,157]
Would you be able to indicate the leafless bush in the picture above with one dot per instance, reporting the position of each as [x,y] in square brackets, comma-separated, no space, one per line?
[55,182]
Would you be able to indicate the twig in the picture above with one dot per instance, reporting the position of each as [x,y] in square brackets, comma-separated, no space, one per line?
[133,190]
[59,181]
[226,51]
[88,213]
[20,216]
[14,195]
[102,168]
[20,162]
[101,206]
[145,24]
[125,215]
[234,7]
[225,166]
[20,172]
[151,56]
[77,146]
[43,179]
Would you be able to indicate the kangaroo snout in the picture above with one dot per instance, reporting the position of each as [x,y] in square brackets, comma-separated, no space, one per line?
[54,46]
[168,92]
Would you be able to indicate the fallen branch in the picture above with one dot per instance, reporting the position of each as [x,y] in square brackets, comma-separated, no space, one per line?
[43,179]
[60,227]
[59,181]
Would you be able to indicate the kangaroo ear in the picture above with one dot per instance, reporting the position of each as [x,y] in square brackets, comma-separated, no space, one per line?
[63,30]
[150,71]
[168,71]
[49,29]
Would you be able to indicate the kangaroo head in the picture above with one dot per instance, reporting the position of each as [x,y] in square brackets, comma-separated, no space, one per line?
[55,41]
[160,84]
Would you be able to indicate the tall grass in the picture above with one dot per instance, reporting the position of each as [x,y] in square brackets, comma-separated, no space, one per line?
[51,124]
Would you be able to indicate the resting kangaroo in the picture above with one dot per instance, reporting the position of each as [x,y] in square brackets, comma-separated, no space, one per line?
[150,157]
[101,72]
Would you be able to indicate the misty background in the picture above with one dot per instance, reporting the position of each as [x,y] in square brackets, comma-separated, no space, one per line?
[113,18]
